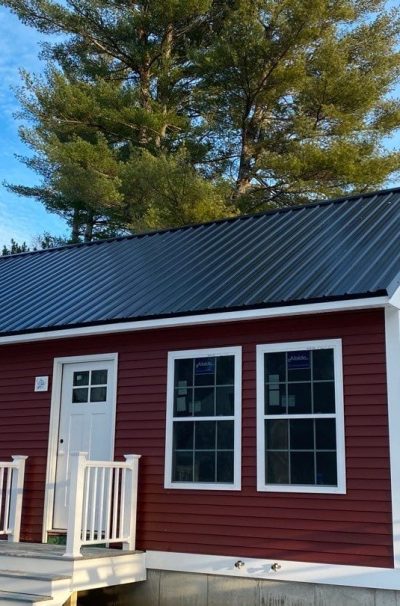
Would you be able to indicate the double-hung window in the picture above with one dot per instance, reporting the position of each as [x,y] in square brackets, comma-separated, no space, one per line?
[203,435]
[300,427]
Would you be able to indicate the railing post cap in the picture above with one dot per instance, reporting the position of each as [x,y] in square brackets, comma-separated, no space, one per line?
[19,457]
[132,456]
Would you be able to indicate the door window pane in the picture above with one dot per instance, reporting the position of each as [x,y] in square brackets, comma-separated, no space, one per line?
[80,395]
[81,378]
[99,377]
[98,394]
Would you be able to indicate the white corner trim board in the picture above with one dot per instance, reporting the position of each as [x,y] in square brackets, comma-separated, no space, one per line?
[392,333]
[275,570]
[212,318]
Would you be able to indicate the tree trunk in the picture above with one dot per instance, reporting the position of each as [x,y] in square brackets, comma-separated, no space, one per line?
[88,236]
[75,227]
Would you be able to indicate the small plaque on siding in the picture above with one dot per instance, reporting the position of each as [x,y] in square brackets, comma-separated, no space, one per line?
[41,383]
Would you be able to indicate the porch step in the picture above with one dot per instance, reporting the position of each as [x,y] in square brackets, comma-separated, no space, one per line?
[11,598]
[34,583]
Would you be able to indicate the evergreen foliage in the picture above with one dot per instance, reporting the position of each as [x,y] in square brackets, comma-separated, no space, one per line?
[162,112]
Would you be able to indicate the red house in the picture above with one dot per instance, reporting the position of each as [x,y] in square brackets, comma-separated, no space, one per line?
[253,364]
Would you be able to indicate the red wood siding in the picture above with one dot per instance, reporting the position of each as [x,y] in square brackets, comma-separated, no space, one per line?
[344,529]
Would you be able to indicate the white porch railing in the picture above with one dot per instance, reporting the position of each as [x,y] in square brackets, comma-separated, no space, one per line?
[11,493]
[102,503]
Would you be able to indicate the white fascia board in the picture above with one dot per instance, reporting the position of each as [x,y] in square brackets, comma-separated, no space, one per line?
[193,320]
[394,300]
[253,568]
[392,335]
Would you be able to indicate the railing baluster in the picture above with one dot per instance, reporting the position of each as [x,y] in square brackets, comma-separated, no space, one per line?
[94,505]
[122,503]
[109,496]
[86,504]
[101,508]
[2,516]
[7,502]
[115,503]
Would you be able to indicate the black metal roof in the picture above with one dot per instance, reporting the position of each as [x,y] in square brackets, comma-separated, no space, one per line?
[344,248]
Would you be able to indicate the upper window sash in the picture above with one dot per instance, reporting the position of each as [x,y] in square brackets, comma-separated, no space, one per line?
[172,418]
[338,415]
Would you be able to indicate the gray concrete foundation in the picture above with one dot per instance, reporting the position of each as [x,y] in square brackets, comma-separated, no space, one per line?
[182,589]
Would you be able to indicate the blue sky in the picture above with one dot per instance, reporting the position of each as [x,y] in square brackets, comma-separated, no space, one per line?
[23,218]
[20,218]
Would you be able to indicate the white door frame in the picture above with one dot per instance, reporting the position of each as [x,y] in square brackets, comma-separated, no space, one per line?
[55,408]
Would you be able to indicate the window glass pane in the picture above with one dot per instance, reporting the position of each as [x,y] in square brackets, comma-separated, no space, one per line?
[324,397]
[183,405]
[276,468]
[182,467]
[204,371]
[99,377]
[225,370]
[225,435]
[98,394]
[225,467]
[326,468]
[203,404]
[275,367]
[275,399]
[302,468]
[205,435]
[225,401]
[80,395]
[325,434]
[184,373]
[302,434]
[299,365]
[323,364]
[183,435]
[81,378]
[299,398]
[204,467]
[276,434]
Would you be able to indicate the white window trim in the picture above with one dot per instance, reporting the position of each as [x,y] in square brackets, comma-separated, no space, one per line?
[336,345]
[237,418]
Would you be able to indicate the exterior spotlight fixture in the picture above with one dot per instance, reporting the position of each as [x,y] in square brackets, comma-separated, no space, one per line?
[275,566]
[239,564]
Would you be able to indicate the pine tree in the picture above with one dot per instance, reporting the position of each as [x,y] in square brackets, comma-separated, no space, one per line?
[159,113]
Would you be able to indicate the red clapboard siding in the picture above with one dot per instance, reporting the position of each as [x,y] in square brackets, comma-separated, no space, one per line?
[343,529]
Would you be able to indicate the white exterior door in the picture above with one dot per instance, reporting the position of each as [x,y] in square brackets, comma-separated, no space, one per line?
[87,422]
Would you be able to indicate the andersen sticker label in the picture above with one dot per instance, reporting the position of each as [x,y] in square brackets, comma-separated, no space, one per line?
[297,360]
[204,366]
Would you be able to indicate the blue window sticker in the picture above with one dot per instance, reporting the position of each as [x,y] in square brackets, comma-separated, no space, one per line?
[297,360]
[204,366]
